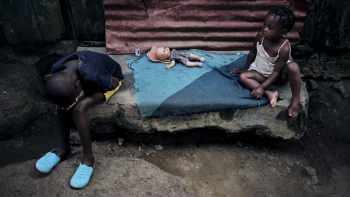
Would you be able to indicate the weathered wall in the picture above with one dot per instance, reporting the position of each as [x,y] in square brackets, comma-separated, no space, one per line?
[325,39]
[40,21]
[48,16]
[19,23]
[88,17]
[327,24]
[322,63]
[31,22]
[201,24]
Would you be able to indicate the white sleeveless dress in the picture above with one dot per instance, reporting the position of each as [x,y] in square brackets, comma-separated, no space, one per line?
[264,64]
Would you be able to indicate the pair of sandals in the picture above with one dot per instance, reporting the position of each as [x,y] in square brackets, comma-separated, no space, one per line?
[80,178]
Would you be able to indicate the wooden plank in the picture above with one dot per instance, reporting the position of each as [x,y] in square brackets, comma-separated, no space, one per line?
[49,19]
[89,19]
[19,22]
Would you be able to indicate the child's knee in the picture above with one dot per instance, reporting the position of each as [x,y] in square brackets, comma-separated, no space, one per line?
[293,67]
[242,77]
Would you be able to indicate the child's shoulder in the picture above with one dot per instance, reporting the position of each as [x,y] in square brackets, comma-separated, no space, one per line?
[285,47]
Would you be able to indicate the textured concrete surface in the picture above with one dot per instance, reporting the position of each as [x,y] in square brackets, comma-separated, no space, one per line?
[120,176]
[122,111]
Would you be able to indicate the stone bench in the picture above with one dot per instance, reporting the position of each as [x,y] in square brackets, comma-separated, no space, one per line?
[121,112]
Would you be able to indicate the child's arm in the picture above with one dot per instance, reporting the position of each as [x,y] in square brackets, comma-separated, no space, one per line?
[280,63]
[251,56]
[172,64]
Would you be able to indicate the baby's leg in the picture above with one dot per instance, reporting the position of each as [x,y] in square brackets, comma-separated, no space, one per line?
[194,64]
[291,74]
[82,123]
[252,79]
[196,57]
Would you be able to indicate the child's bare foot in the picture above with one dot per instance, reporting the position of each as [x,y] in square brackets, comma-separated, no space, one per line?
[272,96]
[294,108]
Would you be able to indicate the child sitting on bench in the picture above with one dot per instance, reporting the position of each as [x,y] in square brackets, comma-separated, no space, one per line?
[79,81]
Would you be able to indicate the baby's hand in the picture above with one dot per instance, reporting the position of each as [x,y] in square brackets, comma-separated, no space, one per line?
[168,66]
[238,70]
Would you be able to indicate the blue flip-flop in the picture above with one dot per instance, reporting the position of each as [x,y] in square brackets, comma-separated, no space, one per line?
[82,176]
[48,161]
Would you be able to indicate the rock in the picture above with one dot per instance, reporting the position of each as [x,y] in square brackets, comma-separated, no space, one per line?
[122,112]
[322,28]
[158,147]
[302,51]
[75,138]
[112,176]
[121,141]
[239,144]
[313,84]
[340,87]
[311,173]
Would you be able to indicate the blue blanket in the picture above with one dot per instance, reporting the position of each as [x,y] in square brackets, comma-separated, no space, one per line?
[182,90]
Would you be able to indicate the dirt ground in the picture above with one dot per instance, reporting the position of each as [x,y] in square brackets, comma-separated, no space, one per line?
[211,162]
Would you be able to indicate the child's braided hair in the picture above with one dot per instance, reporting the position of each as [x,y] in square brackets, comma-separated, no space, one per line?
[287,17]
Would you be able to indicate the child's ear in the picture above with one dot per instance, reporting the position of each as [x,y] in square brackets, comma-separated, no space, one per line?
[284,32]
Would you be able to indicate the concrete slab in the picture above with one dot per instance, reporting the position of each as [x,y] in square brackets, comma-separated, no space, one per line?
[121,112]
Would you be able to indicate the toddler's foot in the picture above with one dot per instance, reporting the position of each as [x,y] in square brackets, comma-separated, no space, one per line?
[200,64]
[202,59]
[294,108]
[273,96]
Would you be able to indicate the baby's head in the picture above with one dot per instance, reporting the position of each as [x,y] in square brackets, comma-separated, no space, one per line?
[62,89]
[278,22]
[162,53]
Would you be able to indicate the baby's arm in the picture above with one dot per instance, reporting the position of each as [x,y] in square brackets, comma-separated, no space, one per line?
[251,56]
[172,64]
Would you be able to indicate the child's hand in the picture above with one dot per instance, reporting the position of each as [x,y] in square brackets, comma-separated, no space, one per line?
[169,66]
[79,98]
[238,70]
[258,92]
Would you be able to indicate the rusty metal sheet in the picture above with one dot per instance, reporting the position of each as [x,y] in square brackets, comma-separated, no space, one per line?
[88,17]
[187,24]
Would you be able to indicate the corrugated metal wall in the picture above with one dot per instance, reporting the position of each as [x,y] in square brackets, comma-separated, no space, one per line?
[187,24]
